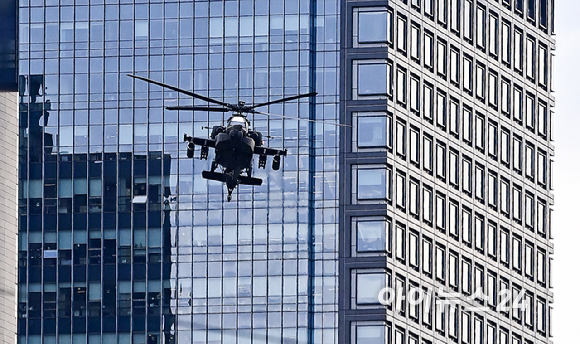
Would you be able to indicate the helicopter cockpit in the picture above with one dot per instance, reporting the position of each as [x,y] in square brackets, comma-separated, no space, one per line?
[239,121]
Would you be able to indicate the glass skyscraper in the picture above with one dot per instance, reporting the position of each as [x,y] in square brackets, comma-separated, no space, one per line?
[121,240]
[441,183]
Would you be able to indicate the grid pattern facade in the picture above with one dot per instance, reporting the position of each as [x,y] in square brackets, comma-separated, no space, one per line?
[447,171]
[121,240]
[8,215]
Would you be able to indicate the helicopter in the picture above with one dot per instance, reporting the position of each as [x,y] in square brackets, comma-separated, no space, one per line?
[235,143]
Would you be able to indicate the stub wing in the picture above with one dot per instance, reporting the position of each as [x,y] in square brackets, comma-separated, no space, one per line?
[269,151]
[203,142]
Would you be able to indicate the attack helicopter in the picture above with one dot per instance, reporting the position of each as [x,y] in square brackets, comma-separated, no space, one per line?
[235,143]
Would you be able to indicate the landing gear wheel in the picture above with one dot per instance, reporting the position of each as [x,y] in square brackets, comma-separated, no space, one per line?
[229,196]
[213,166]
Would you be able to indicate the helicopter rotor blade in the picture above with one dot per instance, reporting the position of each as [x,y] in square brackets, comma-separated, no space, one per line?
[311,94]
[302,119]
[176,89]
[198,108]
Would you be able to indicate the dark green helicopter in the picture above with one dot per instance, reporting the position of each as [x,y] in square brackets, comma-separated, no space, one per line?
[235,143]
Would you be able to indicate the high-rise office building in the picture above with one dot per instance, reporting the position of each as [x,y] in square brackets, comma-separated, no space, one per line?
[442,180]
[450,205]
[121,240]
[8,169]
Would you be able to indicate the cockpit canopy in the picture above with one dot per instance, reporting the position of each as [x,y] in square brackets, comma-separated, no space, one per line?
[239,121]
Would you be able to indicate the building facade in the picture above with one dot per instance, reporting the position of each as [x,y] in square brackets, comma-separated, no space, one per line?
[121,240]
[441,182]
[450,206]
[8,170]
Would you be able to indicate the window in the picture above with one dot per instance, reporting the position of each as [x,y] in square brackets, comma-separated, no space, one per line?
[414,197]
[517,253]
[517,104]
[442,11]
[402,33]
[466,226]
[517,203]
[504,247]
[441,58]
[492,139]
[441,160]
[505,42]
[529,260]
[505,147]
[492,189]
[541,267]
[372,334]
[479,182]
[532,10]
[441,110]
[530,162]
[428,50]
[454,168]
[415,98]
[466,122]
[366,80]
[541,214]
[453,270]
[467,74]
[493,31]
[480,29]
[529,206]
[480,132]
[530,113]
[504,196]
[401,138]
[454,63]
[468,20]
[400,190]
[428,8]
[372,183]
[466,175]
[373,283]
[518,47]
[479,233]
[491,239]
[427,205]
[427,153]
[373,235]
[529,310]
[440,212]
[454,117]
[455,15]
[414,150]
[427,256]
[415,42]
[505,97]
[542,119]
[541,168]
[517,149]
[491,289]
[401,86]
[400,243]
[454,220]
[480,82]
[477,331]
[428,102]
[440,263]
[414,250]
[373,26]
[466,277]
[542,62]
[373,130]
[492,89]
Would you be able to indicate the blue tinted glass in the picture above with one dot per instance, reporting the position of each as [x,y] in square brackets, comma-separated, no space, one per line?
[371,236]
[372,184]
[372,132]
[372,79]
[372,27]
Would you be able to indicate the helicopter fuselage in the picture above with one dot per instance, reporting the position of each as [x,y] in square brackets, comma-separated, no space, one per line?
[235,145]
